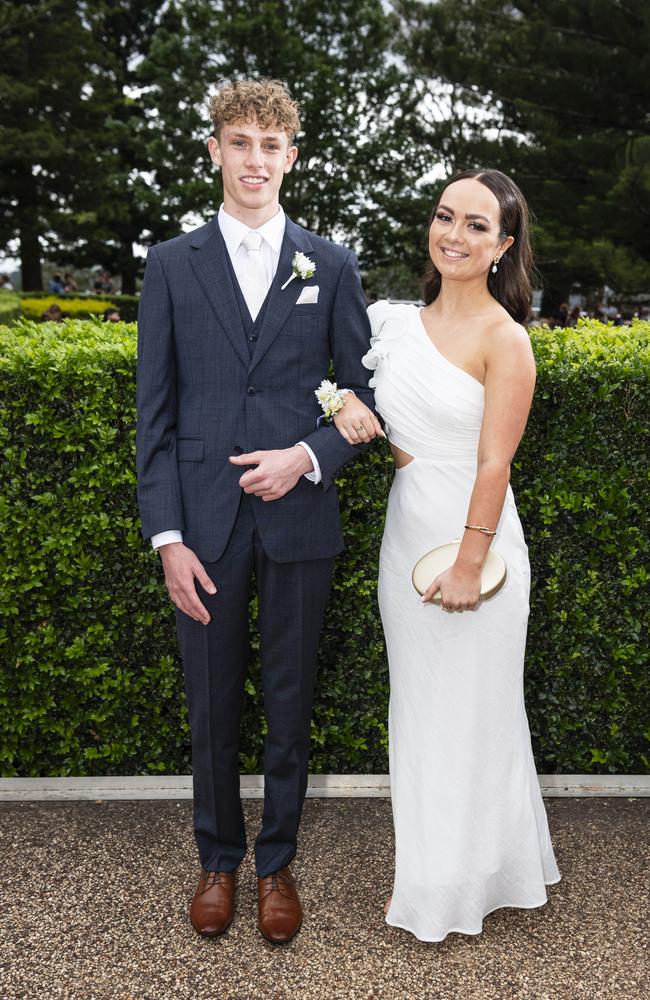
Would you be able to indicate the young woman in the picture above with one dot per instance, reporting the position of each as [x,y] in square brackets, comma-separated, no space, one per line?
[454,383]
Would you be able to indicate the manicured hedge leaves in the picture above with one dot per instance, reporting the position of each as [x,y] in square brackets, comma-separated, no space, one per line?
[581,481]
[90,681]
[10,308]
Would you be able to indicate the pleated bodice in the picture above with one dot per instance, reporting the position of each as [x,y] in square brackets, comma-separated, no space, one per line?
[433,409]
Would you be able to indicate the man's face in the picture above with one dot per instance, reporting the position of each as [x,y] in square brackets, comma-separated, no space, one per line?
[253,162]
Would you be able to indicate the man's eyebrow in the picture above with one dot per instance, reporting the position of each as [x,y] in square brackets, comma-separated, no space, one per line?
[244,135]
[470,215]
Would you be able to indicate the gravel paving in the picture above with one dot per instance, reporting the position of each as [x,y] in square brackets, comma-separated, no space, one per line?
[94,899]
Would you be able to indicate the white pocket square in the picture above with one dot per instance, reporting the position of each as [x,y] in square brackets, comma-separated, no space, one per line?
[308,296]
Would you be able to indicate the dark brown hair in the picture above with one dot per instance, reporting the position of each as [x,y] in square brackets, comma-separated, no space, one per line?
[510,286]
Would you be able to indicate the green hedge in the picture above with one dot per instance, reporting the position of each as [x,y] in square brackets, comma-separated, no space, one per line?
[74,306]
[10,308]
[127,304]
[90,681]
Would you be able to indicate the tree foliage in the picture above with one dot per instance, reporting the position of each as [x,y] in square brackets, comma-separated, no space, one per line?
[557,95]
[104,124]
[50,124]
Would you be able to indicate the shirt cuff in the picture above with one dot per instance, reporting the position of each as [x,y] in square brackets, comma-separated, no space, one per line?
[315,476]
[166,537]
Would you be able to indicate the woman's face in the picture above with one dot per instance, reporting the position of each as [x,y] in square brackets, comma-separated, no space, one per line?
[464,237]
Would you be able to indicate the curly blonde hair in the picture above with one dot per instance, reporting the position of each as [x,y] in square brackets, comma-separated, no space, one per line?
[267,102]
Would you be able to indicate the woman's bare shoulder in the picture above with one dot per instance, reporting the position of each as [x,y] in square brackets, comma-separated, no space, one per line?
[504,333]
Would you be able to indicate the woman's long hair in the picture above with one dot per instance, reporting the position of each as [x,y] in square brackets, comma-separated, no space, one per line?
[511,284]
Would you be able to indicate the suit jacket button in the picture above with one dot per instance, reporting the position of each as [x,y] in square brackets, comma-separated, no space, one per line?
[251,390]
[253,337]
[238,450]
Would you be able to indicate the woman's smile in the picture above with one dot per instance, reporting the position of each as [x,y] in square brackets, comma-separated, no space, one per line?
[453,254]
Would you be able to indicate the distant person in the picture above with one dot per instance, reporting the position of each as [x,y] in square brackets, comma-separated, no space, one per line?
[54,314]
[55,285]
[561,315]
[69,284]
[574,316]
[5,283]
[112,316]
[104,284]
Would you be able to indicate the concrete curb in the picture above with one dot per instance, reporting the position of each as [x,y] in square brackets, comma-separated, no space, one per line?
[179,786]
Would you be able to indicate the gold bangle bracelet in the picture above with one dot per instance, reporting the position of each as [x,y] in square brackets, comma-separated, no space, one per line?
[479,527]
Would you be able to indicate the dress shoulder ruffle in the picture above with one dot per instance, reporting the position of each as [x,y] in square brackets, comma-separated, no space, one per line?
[388,322]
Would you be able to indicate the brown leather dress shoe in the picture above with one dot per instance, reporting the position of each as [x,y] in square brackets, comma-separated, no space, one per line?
[213,906]
[279,909]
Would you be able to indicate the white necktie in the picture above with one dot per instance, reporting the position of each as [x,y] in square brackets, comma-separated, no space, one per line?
[254,286]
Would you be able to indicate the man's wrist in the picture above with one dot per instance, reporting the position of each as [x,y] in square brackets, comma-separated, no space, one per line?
[303,459]
[163,537]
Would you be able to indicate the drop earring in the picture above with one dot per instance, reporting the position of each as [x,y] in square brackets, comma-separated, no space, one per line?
[494,266]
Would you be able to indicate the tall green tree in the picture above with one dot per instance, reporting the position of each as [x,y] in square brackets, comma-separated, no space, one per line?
[153,168]
[557,95]
[49,124]
[100,131]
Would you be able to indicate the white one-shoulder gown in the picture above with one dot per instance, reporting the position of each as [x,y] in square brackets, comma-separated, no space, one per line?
[470,826]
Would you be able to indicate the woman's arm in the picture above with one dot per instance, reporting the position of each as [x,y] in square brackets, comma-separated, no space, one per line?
[509,386]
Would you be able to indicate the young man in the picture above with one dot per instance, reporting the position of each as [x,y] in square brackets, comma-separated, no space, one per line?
[235,478]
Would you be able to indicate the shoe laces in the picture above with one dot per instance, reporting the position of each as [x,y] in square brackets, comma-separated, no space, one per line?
[277,883]
[214,878]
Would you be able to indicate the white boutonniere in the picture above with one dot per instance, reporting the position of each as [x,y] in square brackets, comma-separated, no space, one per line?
[330,397]
[302,267]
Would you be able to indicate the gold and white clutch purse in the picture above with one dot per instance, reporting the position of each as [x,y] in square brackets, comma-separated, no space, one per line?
[426,569]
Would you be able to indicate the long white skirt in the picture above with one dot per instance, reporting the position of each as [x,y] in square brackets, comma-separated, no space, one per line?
[470,825]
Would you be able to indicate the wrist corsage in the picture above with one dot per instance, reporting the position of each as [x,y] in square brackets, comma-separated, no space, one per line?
[330,397]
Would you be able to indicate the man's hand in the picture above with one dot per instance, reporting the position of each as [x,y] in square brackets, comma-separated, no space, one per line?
[277,471]
[182,567]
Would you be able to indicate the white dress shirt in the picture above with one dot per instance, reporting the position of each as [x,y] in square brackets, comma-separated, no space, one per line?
[233,232]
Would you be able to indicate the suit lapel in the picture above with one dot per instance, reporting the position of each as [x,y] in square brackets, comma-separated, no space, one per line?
[208,257]
[280,303]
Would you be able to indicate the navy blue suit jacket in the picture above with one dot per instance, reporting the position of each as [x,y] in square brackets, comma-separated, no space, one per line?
[202,397]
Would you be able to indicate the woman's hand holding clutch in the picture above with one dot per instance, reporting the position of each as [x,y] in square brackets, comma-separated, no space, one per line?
[356,422]
[460,589]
